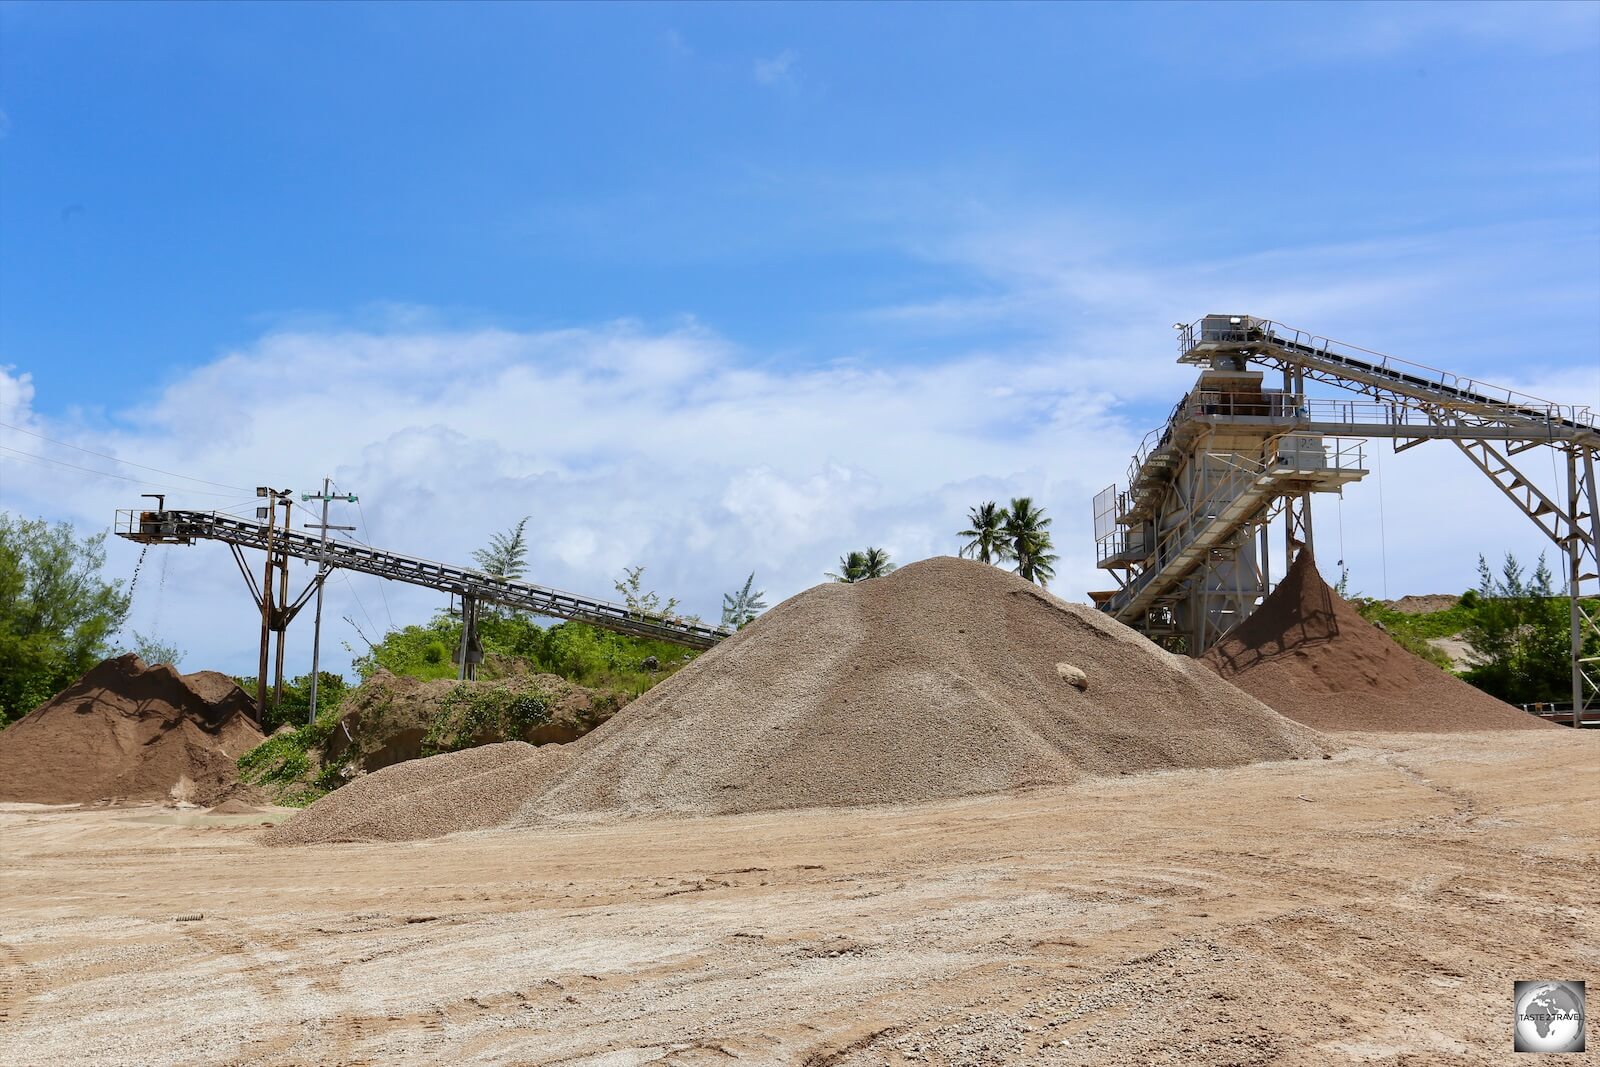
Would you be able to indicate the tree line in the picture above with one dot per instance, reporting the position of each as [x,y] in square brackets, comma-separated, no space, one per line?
[60,615]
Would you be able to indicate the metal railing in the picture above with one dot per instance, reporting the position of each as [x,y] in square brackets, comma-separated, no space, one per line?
[1402,372]
[184,527]
[1284,454]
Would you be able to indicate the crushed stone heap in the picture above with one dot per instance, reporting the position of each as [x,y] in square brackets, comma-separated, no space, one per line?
[129,732]
[946,678]
[1309,654]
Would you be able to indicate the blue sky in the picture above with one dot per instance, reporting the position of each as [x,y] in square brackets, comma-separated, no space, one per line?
[267,210]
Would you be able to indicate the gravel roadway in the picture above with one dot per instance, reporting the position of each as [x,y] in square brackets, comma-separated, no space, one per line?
[1372,908]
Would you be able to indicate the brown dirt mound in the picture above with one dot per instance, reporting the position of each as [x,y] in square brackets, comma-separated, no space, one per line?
[126,731]
[1423,603]
[943,679]
[1308,653]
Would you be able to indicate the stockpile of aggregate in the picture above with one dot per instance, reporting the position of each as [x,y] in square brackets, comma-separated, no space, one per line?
[126,731]
[474,789]
[1308,653]
[946,678]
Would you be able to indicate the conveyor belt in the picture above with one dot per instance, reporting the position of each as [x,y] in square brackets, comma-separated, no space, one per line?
[184,527]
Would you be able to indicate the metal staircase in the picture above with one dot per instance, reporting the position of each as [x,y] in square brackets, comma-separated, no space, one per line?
[1186,542]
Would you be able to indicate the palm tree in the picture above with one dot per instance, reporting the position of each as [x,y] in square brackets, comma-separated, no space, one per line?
[986,541]
[852,568]
[861,565]
[875,562]
[1027,535]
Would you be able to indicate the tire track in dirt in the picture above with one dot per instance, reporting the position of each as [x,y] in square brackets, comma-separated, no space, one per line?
[18,983]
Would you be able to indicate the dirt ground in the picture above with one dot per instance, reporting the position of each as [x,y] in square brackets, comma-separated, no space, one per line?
[1372,908]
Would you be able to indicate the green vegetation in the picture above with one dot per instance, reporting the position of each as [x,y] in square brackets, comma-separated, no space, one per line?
[57,613]
[1018,533]
[506,555]
[153,650]
[1411,632]
[283,763]
[1516,624]
[985,534]
[1028,537]
[578,652]
[1521,632]
[476,715]
[740,608]
[645,603]
[862,565]
[295,708]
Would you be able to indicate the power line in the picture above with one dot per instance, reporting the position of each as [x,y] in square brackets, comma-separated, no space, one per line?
[367,529]
[351,586]
[125,462]
[108,474]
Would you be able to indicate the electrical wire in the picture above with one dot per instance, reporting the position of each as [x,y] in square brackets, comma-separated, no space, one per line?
[367,529]
[1383,536]
[352,587]
[1342,567]
[124,462]
[107,474]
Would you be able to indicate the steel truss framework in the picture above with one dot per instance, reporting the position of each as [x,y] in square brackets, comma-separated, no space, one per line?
[473,587]
[1407,403]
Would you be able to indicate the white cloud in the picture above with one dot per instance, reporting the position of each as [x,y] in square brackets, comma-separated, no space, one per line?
[626,446]
[779,71]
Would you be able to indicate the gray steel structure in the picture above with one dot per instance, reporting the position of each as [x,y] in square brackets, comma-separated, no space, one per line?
[1186,542]
[474,587]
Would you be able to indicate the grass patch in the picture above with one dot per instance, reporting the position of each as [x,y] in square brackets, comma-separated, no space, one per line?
[288,765]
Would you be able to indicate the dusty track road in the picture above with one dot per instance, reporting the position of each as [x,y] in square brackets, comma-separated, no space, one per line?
[1373,908]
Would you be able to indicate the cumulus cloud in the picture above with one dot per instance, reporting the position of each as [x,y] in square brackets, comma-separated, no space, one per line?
[668,448]
[675,448]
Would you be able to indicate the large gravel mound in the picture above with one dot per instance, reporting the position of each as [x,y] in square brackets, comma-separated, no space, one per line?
[129,732]
[1309,654]
[947,678]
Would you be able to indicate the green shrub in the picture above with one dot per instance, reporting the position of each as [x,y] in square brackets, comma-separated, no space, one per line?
[471,714]
[282,764]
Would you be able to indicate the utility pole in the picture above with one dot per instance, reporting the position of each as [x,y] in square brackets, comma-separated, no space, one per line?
[281,622]
[322,574]
[267,612]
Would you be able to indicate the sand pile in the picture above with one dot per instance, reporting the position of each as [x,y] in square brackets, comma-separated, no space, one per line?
[1307,653]
[947,678]
[130,732]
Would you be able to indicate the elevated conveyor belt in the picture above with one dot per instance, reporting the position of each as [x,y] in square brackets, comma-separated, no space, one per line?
[185,527]
[1273,344]
[1187,542]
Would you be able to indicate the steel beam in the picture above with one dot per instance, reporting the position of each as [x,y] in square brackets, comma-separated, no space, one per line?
[175,526]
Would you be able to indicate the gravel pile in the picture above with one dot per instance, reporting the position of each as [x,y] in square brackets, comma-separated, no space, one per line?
[1307,653]
[473,789]
[129,732]
[947,678]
